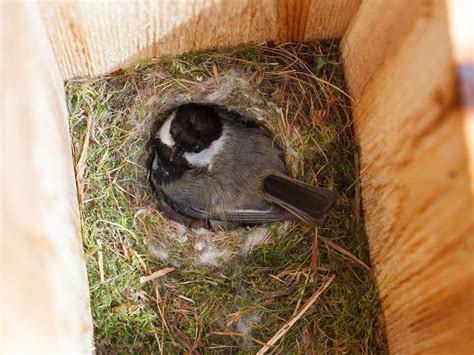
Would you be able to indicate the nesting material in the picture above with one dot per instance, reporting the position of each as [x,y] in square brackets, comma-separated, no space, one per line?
[223,291]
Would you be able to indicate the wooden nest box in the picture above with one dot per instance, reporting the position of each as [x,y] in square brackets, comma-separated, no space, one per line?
[407,63]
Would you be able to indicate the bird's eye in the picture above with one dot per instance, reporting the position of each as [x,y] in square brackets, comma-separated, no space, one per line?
[198,148]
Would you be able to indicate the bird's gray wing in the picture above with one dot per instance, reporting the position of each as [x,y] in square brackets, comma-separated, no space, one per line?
[271,213]
[267,214]
[186,210]
[309,203]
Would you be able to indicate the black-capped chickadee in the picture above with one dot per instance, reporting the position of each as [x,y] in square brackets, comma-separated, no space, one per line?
[213,165]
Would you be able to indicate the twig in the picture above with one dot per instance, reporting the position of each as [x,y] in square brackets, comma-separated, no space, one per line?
[310,343]
[283,330]
[161,308]
[314,250]
[357,188]
[156,274]
[160,347]
[101,261]
[217,76]
[125,251]
[234,317]
[81,163]
[142,263]
[302,292]
[346,253]
[236,334]
[186,298]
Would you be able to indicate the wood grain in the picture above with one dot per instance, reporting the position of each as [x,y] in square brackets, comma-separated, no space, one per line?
[44,290]
[91,38]
[378,29]
[414,173]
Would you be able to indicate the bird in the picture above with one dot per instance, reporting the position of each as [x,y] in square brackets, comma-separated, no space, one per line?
[214,166]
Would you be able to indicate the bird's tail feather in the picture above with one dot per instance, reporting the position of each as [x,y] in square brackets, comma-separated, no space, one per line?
[309,203]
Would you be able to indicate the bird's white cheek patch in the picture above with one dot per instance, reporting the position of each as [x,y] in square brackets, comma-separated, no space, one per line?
[205,157]
[164,132]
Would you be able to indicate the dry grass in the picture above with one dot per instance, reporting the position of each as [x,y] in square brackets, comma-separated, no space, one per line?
[223,291]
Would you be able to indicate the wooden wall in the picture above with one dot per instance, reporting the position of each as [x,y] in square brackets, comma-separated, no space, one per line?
[44,292]
[415,176]
[91,38]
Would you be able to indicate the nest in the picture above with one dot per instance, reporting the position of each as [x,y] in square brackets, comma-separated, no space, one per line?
[157,286]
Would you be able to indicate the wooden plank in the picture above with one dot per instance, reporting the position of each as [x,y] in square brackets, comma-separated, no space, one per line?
[378,29]
[44,290]
[91,38]
[309,19]
[414,173]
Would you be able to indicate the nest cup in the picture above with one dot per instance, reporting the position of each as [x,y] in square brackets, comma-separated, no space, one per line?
[308,116]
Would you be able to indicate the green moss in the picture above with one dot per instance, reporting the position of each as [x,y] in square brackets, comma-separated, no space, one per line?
[121,225]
